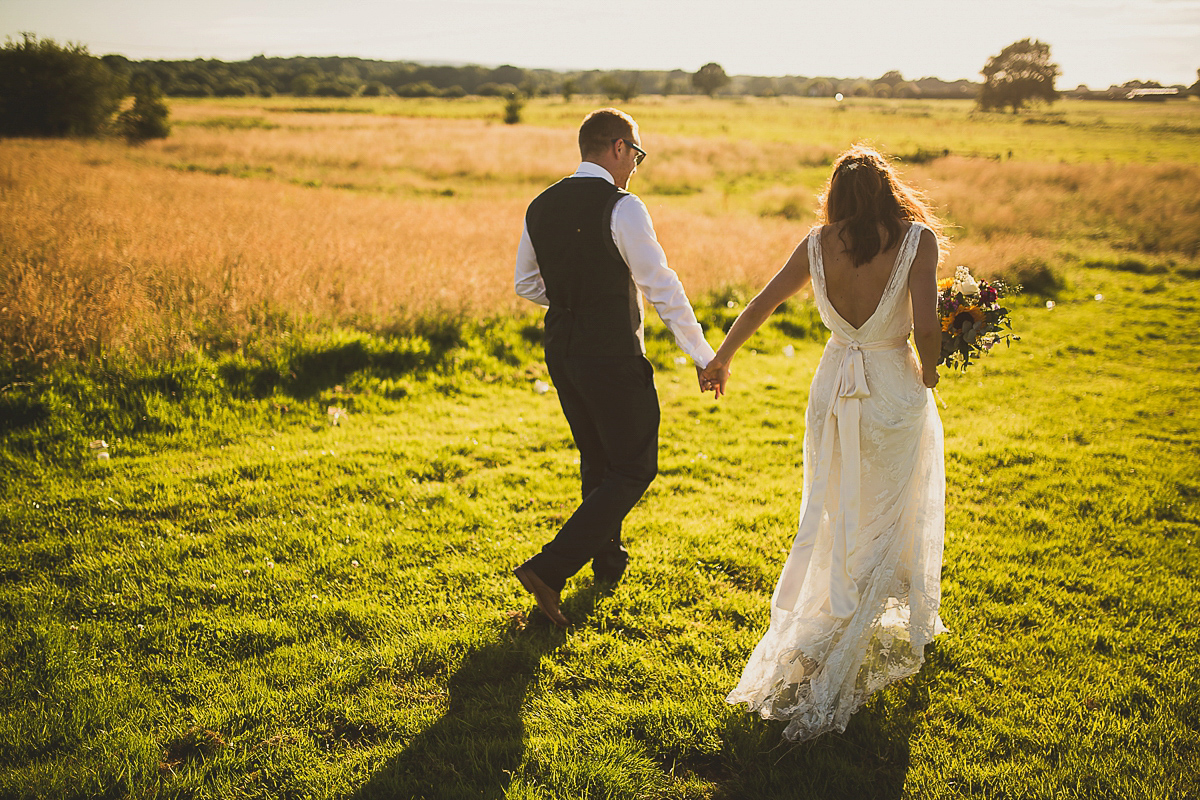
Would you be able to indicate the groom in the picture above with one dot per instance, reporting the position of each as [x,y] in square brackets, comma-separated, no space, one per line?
[589,252]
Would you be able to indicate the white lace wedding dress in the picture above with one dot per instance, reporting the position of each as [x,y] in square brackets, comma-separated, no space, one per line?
[857,601]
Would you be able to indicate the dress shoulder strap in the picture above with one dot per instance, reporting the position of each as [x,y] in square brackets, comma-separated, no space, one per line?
[815,263]
[908,249]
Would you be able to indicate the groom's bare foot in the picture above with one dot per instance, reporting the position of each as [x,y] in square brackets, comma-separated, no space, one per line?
[547,599]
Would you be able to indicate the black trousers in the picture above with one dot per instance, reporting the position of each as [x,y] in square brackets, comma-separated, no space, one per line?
[612,407]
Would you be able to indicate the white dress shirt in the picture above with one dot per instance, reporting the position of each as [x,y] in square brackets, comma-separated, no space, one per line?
[633,232]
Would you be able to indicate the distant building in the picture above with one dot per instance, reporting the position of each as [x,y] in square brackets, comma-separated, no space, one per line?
[1151,94]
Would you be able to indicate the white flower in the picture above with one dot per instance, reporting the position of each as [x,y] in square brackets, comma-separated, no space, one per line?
[681,360]
[336,414]
[354,562]
[541,387]
[963,282]
[1049,305]
[246,572]
[1099,298]
[788,351]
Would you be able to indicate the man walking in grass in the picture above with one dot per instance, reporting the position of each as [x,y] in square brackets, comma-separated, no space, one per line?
[589,252]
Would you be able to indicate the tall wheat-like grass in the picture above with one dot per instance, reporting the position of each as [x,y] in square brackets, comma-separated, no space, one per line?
[109,255]
[251,222]
[101,253]
[1143,208]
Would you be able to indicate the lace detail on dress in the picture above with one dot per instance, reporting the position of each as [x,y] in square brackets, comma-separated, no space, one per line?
[858,596]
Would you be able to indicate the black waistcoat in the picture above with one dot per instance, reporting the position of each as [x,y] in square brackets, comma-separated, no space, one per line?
[593,300]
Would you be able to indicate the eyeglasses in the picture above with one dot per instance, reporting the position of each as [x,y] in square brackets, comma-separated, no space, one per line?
[641,154]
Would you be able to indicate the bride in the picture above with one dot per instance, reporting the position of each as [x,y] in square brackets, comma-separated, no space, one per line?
[857,600]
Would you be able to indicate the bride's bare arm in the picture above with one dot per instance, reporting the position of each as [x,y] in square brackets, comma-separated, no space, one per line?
[927,329]
[791,278]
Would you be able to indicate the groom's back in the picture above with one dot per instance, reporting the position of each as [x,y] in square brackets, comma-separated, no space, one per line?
[593,300]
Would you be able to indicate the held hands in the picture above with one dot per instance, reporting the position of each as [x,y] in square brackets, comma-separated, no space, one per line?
[713,378]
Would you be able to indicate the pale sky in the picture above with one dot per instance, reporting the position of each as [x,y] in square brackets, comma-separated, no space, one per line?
[1097,42]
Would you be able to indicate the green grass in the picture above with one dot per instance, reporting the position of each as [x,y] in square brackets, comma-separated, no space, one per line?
[251,602]
[1068,131]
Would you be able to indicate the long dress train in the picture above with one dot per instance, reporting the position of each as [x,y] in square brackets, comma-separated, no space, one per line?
[857,600]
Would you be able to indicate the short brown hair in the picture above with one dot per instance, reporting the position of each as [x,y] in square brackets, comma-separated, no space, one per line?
[600,127]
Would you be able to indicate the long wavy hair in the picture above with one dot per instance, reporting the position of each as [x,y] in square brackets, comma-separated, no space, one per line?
[865,192]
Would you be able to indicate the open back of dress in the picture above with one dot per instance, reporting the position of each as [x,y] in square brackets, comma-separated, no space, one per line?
[857,600]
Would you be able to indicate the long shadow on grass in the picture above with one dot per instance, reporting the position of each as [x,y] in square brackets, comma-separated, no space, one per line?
[869,760]
[474,748]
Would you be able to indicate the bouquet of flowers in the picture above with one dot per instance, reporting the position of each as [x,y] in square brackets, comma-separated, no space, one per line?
[973,320]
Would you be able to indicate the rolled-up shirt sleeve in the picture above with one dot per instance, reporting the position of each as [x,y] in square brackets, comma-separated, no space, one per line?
[527,278]
[633,231]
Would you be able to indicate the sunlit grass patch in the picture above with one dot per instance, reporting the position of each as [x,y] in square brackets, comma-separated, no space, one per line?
[327,610]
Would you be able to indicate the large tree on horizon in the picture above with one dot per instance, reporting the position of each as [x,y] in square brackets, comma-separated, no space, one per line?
[710,78]
[1019,73]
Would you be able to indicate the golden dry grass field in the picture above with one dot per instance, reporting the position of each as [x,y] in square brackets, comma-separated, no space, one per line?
[259,217]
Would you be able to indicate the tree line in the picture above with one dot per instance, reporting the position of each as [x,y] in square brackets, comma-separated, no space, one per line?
[52,90]
[340,76]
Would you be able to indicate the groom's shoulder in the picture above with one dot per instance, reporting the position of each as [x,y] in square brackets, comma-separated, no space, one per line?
[627,203]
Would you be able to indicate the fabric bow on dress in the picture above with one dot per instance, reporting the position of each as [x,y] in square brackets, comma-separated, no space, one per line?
[851,389]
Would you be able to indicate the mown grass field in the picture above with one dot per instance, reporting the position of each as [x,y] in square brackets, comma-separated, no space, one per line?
[247,600]
[327,612]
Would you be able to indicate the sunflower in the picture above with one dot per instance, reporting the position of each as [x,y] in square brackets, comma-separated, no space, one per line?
[955,322]
[944,284]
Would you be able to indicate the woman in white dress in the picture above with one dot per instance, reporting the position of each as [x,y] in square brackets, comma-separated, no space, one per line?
[857,600]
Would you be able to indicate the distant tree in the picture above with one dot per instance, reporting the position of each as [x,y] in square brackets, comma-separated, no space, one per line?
[858,89]
[490,89]
[761,86]
[421,89]
[891,78]
[569,87]
[675,82]
[507,74]
[49,90]
[148,118]
[1196,86]
[710,78]
[512,108]
[238,87]
[1020,73]
[881,89]
[819,87]
[619,88]
[377,89]
[304,84]
[335,89]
